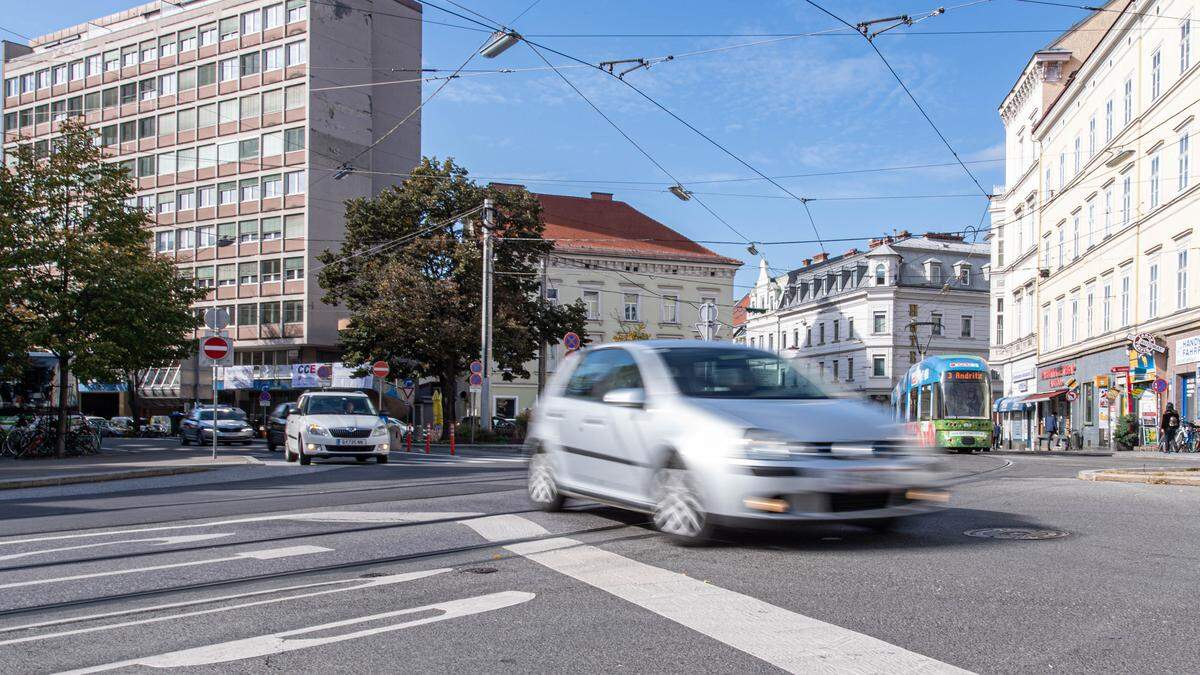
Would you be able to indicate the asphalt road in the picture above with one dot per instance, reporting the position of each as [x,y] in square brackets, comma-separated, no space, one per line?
[437,564]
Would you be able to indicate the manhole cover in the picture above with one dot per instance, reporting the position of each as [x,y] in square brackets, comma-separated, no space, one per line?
[1027,533]
[478,570]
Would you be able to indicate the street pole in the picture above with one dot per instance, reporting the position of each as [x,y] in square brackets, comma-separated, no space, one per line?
[485,391]
[214,412]
[541,375]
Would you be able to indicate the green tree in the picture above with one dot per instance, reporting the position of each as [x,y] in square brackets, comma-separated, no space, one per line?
[89,289]
[631,333]
[412,280]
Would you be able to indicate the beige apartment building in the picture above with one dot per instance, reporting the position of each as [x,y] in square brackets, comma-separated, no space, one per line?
[228,115]
[1093,238]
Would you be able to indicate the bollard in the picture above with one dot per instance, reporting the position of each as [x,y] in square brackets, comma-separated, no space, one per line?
[408,441]
[428,434]
[452,438]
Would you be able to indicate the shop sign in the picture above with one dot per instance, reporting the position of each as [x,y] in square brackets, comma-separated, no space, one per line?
[313,375]
[1187,350]
[1146,343]
[1054,377]
[1101,381]
[1024,374]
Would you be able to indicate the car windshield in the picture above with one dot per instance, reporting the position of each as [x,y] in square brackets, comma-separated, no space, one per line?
[964,397]
[735,373]
[339,405]
[222,415]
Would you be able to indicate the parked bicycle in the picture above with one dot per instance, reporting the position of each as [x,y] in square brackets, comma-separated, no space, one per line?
[39,438]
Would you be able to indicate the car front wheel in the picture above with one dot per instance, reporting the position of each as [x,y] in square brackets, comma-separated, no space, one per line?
[678,512]
[543,489]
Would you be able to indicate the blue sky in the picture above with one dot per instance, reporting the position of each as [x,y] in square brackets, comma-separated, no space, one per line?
[800,106]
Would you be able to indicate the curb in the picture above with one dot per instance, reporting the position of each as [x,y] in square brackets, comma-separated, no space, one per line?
[73,479]
[1145,476]
[1049,453]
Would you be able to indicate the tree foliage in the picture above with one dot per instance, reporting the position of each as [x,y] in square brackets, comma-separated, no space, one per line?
[85,284]
[412,280]
[631,333]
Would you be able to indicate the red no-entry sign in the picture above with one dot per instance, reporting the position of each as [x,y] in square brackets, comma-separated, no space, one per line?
[216,350]
[380,369]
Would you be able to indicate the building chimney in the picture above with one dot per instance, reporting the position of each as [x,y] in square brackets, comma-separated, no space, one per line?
[602,196]
[821,257]
[806,262]
[904,234]
[852,251]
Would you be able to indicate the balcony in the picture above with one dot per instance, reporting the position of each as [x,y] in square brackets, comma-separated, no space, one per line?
[1015,348]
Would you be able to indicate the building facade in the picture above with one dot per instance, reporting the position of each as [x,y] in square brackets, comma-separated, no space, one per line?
[1092,237]
[223,112]
[629,271]
[859,320]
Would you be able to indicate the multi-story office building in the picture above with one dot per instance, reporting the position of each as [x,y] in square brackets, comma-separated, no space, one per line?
[232,117]
[1093,236]
[630,271]
[862,318]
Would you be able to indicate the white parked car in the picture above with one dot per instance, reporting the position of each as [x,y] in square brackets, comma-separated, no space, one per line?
[703,434]
[336,424]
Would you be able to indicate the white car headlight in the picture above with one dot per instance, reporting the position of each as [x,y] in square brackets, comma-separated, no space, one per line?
[380,430]
[763,444]
[317,430]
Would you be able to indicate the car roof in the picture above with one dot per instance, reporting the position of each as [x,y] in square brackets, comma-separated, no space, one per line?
[675,344]
[334,393]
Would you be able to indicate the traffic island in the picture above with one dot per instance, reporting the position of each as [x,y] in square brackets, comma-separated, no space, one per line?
[1156,476]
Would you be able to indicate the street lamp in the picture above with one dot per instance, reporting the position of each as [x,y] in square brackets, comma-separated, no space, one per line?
[500,42]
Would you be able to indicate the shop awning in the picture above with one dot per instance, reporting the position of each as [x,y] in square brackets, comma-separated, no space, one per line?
[1044,395]
[1010,404]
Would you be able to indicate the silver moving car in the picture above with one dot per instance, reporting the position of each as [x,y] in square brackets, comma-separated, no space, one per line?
[706,434]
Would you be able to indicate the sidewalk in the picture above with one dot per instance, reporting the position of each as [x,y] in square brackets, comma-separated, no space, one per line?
[117,464]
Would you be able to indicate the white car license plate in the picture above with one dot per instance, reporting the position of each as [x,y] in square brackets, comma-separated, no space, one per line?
[352,441]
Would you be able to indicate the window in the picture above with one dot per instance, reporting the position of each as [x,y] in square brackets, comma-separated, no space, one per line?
[146,165]
[251,22]
[1185,44]
[1078,154]
[147,203]
[999,321]
[670,309]
[1058,323]
[249,190]
[293,139]
[186,119]
[1091,222]
[227,193]
[247,273]
[206,196]
[1092,137]
[247,315]
[1106,307]
[129,56]
[1062,169]
[936,320]
[631,312]
[166,163]
[164,242]
[166,202]
[1184,164]
[879,326]
[294,97]
[187,41]
[881,274]
[204,277]
[186,239]
[293,311]
[208,35]
[248,231]
[1075,236]
[296,53]
[850,328]
[272,144]
[293,183]
[272,101]
[229,69]
[206,74]
[1074,320]
[850,370]
[966,326]
[293,226]
[293,269]
[148,89]
[1125,306]
[227,110]
[297,10]
[272,58]
[1155,75]
[821,333]
[591,300]
[248,150]
[60,75]
[12,87]
[1153,289]
[1108,206]
[227,153]
[272,228]
[878,366]
[166,124]
[229,28]
[206,115]
[268,314]
[272,186]
[273,16]
[1128,101]
[167,45]
[1108,120]
[1154,165]
[1061,246]
[1126,199]
[250,107]
[837,330]
[227,275]
[250,64]
[185,200]
[149,52]
[1181,279]
[206,235]
[835,370]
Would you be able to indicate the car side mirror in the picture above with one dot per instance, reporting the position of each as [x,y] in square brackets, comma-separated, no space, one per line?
[626,398]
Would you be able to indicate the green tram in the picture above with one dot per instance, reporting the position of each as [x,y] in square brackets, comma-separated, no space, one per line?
[945,401]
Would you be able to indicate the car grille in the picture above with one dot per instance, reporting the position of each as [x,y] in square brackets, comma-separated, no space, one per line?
[858,501]
[348,432]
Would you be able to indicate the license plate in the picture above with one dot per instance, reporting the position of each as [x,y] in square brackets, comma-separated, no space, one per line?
[352,441]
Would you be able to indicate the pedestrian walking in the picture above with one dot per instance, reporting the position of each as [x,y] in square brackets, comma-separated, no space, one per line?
[1051,427]
[1169,426]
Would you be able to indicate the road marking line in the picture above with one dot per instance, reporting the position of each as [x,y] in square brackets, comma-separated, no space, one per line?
[359,585]
[162,541]
[404,517]
[265,554]
[791,641]
[286,641]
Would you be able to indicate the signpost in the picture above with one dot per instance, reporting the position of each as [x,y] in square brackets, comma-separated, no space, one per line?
[476,382]
[708,325]
[380,370]
[216,349]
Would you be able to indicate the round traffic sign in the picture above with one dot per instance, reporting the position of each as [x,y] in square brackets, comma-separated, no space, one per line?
[1072,395]
[571,341]
[476,367]
[264,397]
[408,383]
[476,380]
[325,371]
[1160,385]
[380,369]
[216,318]
[215,347]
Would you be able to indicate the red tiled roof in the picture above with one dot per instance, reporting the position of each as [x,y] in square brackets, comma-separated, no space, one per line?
[603,225]
[739,310]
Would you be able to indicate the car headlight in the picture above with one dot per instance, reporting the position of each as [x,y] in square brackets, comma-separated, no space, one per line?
[380,430]
[763,444]
[318,430]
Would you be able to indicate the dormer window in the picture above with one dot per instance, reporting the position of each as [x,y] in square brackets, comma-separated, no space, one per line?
[962,273]
[933,271]
[880,274]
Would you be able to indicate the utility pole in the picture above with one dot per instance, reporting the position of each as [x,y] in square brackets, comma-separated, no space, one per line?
[541,374]
[485,323]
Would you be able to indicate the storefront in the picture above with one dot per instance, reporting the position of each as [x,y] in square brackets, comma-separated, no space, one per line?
[1016,419]
[1184,365]
[1085,408]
